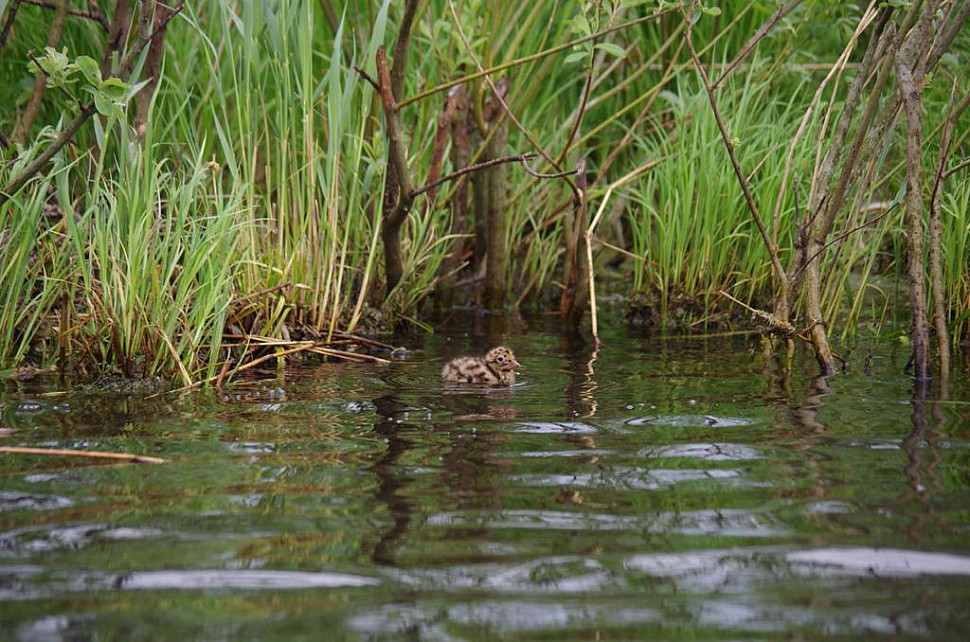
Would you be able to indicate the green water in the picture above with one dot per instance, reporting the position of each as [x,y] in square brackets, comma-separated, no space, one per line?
[655,489]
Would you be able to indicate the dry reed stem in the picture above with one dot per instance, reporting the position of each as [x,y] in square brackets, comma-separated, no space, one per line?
[589,239]
[88,454]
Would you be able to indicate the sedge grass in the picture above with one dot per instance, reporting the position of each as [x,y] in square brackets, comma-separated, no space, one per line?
[263,166]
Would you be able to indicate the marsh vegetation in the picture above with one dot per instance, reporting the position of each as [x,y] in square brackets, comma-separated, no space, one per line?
[188,189]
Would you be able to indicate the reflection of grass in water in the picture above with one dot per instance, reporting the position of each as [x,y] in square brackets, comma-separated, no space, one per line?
[323,496]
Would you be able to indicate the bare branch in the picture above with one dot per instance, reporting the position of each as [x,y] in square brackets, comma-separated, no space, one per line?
[759,35]
[95,16]
[474,168]
[583,102]
[363,74]
[498,94]
[535,174]
[11,14]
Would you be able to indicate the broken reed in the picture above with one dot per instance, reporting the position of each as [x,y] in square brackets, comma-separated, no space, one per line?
[252,205]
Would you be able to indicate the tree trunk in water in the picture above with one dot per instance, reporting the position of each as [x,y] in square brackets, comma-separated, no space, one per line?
[496,264]
[813,311]
[393,262]
[572,304]
[910,69]
[460,157]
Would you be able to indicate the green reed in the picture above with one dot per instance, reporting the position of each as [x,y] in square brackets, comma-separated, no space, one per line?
[253,204]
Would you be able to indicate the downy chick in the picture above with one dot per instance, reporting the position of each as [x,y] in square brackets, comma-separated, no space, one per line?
[496,368]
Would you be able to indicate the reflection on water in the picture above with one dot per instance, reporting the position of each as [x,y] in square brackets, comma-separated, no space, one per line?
[648,488]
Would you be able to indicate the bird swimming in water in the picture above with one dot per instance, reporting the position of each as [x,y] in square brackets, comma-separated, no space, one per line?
[496,368]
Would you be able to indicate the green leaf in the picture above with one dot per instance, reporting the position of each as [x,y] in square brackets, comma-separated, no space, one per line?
[103,104]
[711,11]
[574,57]
[91,70]
[55,66]
[612,48]
[581,26]
[115,89]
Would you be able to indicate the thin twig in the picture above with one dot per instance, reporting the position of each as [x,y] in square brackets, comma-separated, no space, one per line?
[763,31]
[956,168]
[583,103]
[775,325]
[535,174]
[842,237]
[364,340]
[89,454]
[498,96]
[366,76]
[472,168]
[531,58]
[11,14]
[264,292]
[88,15]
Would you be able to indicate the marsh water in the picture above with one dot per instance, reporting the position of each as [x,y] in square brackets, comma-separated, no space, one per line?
[655,488]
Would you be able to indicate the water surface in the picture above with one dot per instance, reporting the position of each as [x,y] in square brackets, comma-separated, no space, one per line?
[654,488]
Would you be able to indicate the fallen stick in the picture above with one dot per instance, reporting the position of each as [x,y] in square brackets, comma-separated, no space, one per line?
[90,454]
[775,325]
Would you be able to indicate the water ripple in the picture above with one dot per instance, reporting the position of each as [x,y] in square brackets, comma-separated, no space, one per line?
[690,421]
[707,452]
[29,541]
[567,574]
[728,522]
[562,428]
[881,562]
[244,579]
[625,478]
[11,500]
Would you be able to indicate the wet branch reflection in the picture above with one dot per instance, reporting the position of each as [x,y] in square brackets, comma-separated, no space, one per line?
[579,392]
[922,448]
[813,432]
[392,478]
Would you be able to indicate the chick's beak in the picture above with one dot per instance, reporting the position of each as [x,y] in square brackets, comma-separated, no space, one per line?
[516,364]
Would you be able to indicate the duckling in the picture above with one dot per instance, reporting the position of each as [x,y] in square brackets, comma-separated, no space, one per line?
[497,368]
